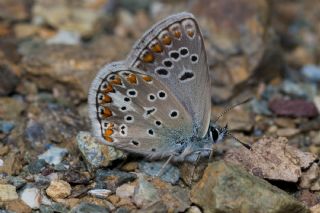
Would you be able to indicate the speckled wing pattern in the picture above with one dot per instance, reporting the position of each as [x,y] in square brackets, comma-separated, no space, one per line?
[173,52]
[159,96]
[135,112]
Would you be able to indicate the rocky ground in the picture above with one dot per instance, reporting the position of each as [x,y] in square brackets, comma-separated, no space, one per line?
[51,50]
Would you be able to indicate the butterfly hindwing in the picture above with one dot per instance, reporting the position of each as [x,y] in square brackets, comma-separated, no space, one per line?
[173,52]
[136,112]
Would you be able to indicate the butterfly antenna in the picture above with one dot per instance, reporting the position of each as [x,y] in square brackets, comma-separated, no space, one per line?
[238,140]
[231,107]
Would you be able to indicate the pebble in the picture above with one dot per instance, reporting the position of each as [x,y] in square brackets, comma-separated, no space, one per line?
[95,153]
[233,189]
[311,72]
[89,207]
[125,191]
[145,193]
[287,132]
[112,179]
[1,162]
[54,155]
[293,108]
[10,108]
[17,181]
[31,196]
[6,127]
[37,166]
[58,189]
[170,174]
[17,206]
[8,192]
[299,90]
[65,37]
[194,209]
[260,107]
[100,193]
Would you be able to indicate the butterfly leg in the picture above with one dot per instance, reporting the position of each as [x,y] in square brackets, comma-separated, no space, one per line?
[164,165]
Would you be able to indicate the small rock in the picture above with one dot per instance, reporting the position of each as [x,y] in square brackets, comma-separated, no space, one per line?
[130,167]
[37,166]
[100,193]
[6,127]
[260,107]
[12,163]
[82,17]
[194,209]
[8,192]
[8,79]
[97,154]
[311,72]
[31,196]
[227,188]
[53,208]
[307,197]
[299,90]
[1,162]
[112,179]
[65,37]
[17,181]
[293,108]
[315,209]
[14,10]
[18,206]
[11,108]
[54,155]
[77,177]
[88,207]
[125,191]
[310,179]
[145,193]
[170,174]
[272,158]
[287,132]
[58,189]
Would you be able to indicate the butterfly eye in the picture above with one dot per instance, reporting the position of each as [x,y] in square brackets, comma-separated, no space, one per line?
[214,134]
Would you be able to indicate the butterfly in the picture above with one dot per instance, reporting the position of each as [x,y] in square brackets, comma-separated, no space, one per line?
[157,102]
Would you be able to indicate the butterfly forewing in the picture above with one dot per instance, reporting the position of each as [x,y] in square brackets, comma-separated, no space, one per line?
[173,52]
[134,111]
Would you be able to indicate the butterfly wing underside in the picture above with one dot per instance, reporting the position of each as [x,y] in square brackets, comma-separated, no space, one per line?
[136,112]
[173,52]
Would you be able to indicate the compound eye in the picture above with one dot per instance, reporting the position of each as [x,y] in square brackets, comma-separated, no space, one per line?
[215,134]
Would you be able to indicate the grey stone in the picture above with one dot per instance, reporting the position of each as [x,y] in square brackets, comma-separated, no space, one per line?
[54,155]
[227,188]
[89,207]
[170,174]
[96,154]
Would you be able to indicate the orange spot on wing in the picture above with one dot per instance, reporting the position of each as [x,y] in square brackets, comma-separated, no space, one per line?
[147,78]
[147,57]
[109,139]
[107,99]
[190,33]
[132,78]
[108,132]
[156,48]
[166,40]
[116,81]
[177,34]
[108,89]
[107,112]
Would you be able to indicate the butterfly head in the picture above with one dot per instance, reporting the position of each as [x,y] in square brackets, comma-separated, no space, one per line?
[217,133]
